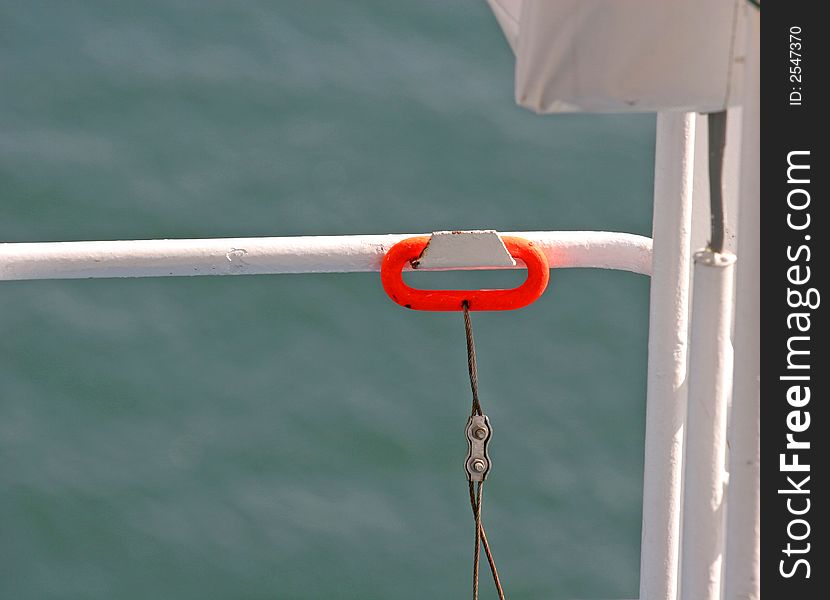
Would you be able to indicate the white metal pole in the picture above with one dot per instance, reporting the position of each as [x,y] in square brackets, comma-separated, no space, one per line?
[709,384]
[666,401]
[259,256]
[743,535]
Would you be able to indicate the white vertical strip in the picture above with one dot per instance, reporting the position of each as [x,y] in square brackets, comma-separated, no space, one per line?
[666,405]
[709,383]
[743,535]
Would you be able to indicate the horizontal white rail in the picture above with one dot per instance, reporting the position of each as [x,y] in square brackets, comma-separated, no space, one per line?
[271,255]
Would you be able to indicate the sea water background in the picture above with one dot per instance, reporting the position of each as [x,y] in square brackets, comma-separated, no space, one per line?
[301,436]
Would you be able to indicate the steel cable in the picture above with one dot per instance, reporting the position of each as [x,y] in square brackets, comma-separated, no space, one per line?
[476,491]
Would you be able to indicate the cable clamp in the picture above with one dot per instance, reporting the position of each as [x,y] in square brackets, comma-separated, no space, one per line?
[478,436]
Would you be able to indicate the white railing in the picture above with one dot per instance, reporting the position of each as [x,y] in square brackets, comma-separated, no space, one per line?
[271,255]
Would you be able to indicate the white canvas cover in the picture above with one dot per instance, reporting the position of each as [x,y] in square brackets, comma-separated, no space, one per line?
[625,55]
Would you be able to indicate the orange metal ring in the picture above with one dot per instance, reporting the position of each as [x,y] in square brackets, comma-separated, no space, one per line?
[391,275]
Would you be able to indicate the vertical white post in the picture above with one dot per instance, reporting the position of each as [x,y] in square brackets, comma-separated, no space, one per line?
[668,318]
[709,384]
[743,535]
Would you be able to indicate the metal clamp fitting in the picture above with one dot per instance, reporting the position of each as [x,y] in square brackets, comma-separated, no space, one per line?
[478,436]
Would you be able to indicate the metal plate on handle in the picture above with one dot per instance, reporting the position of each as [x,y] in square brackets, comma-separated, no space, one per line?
[465,249]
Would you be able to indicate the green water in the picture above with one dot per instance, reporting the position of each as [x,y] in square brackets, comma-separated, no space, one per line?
[301,436]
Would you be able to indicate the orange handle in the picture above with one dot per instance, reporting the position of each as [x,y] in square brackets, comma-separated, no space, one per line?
[391,275]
